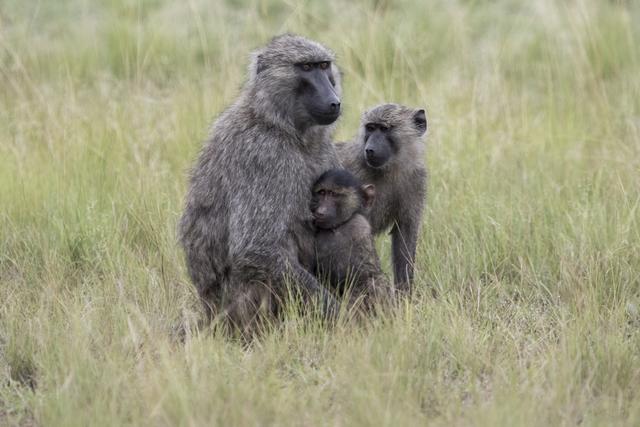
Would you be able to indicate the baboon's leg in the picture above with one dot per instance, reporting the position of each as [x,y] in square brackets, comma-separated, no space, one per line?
[249,308]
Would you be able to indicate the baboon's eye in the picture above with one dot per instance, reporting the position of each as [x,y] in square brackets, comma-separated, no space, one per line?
[370,127]
[306,67]
[321,192]
[324,65]
[384,128]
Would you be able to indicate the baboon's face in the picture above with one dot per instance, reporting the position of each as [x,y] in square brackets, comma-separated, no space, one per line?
[379,144]
[316,91]
[295,83]
[336,197]
[387,131]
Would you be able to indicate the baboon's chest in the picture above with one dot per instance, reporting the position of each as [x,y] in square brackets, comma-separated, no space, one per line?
[304,167]
[344,250]
[386,206]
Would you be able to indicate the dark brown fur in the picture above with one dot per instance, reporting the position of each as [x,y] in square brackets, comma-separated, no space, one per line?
[345,249]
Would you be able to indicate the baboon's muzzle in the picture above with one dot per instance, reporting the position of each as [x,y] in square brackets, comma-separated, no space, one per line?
[323,103]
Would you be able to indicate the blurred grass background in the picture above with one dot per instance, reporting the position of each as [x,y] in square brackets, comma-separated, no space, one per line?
[531,238]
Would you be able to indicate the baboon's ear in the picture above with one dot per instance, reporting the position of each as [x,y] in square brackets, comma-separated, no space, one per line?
[420,120]
[369,191]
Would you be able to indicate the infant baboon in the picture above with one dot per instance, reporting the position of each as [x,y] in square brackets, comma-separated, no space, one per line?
[389,153]
[247,218]
[345,252]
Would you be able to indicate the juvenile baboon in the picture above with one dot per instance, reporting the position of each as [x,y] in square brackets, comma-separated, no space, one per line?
[345,252]
[247,214]
[389,153]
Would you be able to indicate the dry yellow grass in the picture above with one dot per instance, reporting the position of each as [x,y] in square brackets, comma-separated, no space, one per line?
[531,238]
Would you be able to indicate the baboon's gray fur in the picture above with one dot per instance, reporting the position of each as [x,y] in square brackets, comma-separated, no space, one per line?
[247,206]
[400,184]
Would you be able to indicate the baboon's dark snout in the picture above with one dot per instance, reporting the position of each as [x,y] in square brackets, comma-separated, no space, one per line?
[319,221]
[320,212]
[327,112]
[331,102]
[332,106]
[320,98]
[373,158]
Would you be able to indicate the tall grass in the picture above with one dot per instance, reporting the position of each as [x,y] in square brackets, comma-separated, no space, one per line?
[531,240]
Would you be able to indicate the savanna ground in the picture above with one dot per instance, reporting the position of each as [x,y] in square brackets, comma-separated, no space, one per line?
[531,239]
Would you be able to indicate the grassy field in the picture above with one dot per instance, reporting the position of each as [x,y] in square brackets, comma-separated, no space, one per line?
[531,238]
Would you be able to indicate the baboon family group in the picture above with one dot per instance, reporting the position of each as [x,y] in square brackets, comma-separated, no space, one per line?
[274,205]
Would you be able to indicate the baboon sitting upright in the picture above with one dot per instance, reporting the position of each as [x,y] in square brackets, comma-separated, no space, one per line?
[247,216]
[345,252]
[389,153]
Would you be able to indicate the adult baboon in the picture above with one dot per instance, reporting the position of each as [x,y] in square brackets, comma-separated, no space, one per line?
[247,214]
[389,153]
[345,253]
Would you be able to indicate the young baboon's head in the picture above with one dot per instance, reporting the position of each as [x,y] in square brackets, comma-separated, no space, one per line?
[390,133]
[338,195]
[294,82]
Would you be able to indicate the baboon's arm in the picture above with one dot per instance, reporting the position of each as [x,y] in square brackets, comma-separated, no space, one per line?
[403,245]
[404,234]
